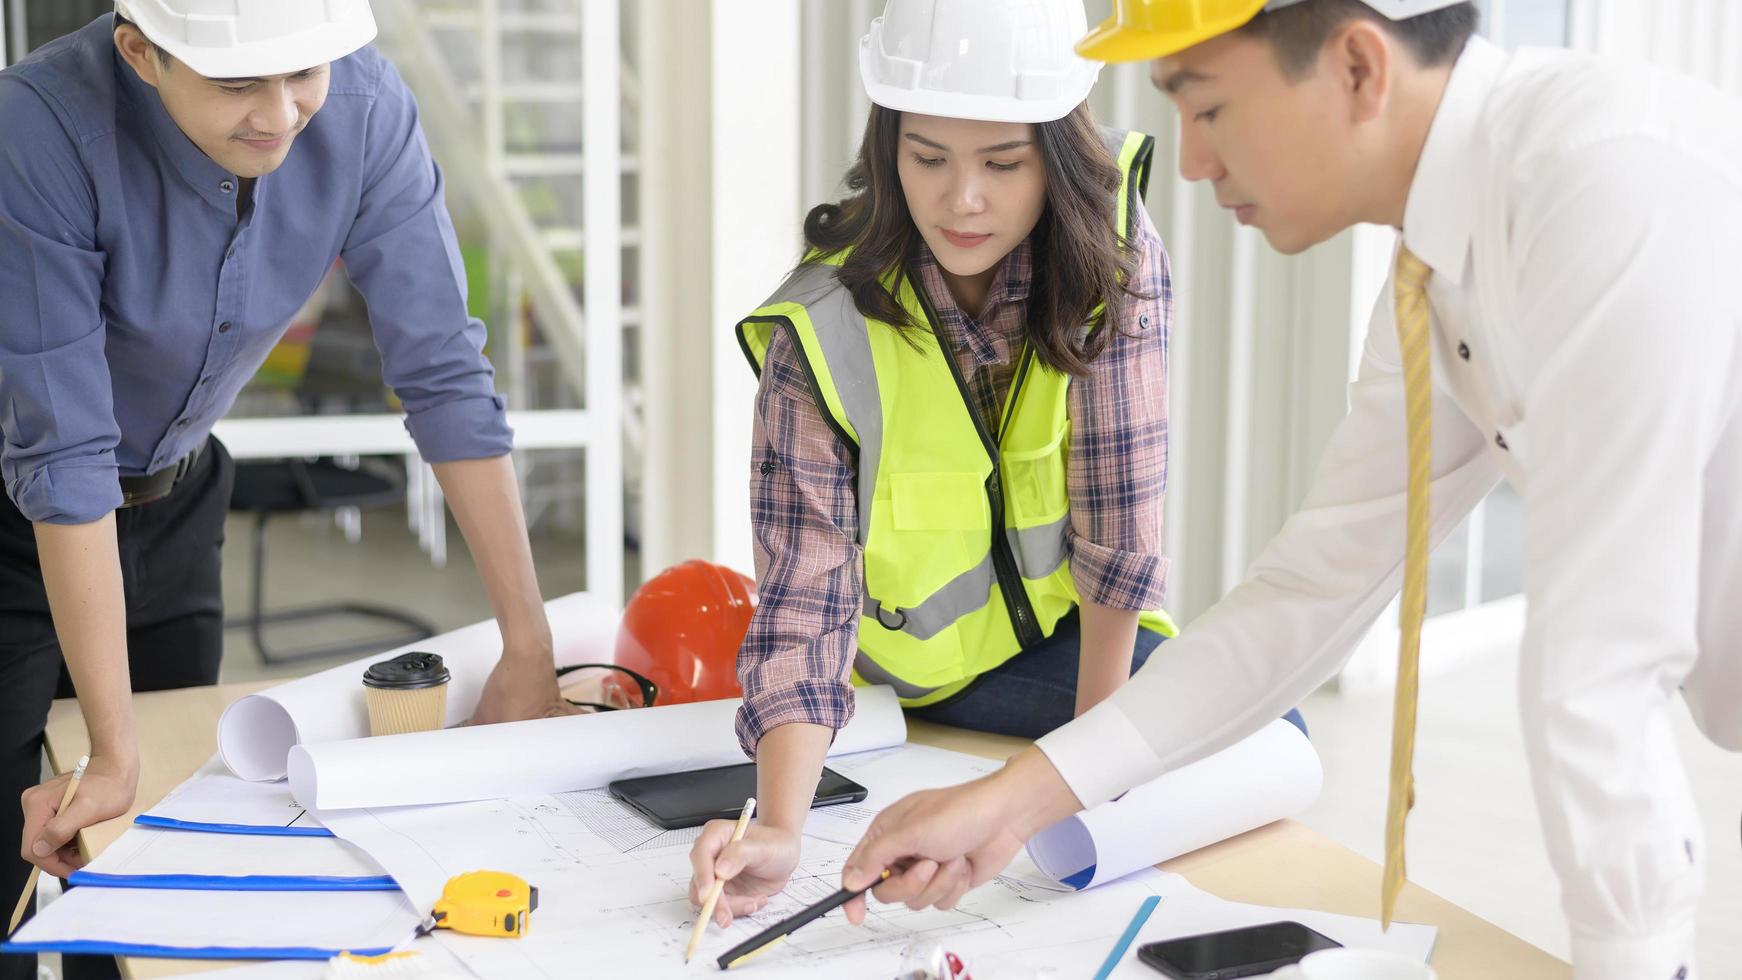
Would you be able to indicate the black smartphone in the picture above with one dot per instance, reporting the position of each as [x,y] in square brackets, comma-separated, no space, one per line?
[690,799]
[1248,952]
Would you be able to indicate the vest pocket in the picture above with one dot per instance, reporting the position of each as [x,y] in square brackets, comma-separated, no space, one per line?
[936,527]
[939,502]
[1034,483]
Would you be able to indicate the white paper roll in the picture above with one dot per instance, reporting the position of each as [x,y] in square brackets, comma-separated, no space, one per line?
[1271,774]
[549,755]
[256,732]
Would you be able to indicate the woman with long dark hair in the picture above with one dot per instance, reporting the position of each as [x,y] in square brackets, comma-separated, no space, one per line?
[961,429]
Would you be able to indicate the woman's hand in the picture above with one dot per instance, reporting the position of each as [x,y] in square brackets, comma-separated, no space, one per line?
[756,867]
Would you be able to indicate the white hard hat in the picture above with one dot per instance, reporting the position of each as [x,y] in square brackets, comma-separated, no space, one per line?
[1000,60]
[252,38]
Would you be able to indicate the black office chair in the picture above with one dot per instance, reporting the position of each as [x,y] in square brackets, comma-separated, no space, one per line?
[269,487]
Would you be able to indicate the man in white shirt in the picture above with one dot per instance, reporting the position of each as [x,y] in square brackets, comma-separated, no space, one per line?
[1581,223]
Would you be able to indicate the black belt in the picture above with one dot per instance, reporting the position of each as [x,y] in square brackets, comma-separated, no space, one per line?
[136,490]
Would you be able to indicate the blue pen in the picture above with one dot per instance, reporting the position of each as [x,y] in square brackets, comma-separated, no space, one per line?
[1124,943]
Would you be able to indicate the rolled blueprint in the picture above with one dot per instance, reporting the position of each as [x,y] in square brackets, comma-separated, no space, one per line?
[549,755]
[256,732]
[1272,774]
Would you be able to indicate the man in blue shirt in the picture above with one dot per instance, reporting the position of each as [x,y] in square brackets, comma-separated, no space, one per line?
[174,184]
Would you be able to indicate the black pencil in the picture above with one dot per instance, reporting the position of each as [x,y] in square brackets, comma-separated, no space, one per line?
[762,941]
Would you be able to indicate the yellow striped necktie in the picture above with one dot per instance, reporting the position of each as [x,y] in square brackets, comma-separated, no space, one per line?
[1412,339]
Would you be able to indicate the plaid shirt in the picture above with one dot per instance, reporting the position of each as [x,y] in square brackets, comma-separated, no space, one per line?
[797,659]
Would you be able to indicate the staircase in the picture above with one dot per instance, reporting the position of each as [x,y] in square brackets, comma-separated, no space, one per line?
[523,102]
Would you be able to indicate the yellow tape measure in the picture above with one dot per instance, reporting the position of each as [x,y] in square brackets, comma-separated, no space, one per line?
[485,903]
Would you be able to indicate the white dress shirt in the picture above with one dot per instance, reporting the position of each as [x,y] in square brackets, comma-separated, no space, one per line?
[1583,220]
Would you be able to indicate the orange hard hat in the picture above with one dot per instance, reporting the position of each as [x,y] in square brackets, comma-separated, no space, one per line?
[682,629]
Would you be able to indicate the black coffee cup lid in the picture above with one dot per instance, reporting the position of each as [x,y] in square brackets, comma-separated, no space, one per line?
[407,672]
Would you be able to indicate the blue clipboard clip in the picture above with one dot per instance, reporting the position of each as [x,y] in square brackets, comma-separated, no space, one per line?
[98,948]
[258,830]
[237,883]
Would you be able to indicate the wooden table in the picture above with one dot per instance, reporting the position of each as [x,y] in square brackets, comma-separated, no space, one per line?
[1284,864]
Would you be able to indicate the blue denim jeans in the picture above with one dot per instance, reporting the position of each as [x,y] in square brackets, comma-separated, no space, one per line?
[1035,691]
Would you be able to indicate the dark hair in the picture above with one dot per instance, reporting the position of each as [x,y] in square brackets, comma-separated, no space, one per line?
[1080,261]
[1297,33]
[163,57]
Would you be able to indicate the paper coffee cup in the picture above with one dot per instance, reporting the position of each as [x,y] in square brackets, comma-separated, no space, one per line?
[406,694]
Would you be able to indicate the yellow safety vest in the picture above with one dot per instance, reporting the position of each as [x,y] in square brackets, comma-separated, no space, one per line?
[963,529]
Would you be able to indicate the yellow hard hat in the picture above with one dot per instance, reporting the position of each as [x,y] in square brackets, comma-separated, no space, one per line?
[1143,29]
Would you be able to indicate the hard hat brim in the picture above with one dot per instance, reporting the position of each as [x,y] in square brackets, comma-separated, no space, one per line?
[978,107]
[257,60]
[955,105]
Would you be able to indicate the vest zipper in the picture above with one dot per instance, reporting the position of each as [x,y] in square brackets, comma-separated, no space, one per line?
[1022,618]
[1022,366]
[1009,577]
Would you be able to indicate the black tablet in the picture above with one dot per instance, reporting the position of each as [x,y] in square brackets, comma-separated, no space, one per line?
[1247,952]
[690,799]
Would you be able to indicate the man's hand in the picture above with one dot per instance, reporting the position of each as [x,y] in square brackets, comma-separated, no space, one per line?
[521,687]
[756,868]
[940,843]
[50,836]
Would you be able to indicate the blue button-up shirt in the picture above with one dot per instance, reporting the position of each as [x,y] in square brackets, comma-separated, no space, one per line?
[135,304]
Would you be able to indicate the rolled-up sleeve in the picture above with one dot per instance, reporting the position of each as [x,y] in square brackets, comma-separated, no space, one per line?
[403,256]
[1117,476]
[797,657]
[56,407]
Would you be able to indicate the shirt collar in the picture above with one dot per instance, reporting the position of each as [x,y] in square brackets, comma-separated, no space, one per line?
[1440,213]
[980,337]
[206,177]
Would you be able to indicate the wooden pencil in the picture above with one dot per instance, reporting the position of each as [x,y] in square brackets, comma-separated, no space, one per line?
[719,885]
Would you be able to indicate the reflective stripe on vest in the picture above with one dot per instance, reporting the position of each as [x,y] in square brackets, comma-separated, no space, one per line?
[1039,552]
[937,609]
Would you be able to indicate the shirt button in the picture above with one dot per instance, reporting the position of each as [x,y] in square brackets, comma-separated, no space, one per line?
[1143,322]
[1463,350]
[767,467]
[1500,440]
[226,186]
[224,327]
[181,423]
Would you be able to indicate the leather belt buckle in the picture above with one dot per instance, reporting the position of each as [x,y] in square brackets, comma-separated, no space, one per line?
[184,466]
[139,490]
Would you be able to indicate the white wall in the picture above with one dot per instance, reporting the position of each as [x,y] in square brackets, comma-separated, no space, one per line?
[721,128]
[1702,38]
